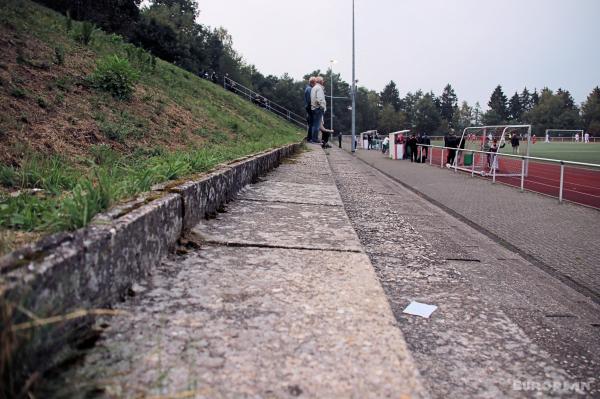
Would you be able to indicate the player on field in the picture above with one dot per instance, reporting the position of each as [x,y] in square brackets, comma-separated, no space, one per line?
[577,137]
[514,142]
[586,137]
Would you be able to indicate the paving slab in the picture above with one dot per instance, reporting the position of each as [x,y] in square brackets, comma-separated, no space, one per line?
[254,322]
[277,191]
[290,225]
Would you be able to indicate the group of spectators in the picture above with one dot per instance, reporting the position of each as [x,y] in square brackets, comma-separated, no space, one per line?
[412,149]
[316,105]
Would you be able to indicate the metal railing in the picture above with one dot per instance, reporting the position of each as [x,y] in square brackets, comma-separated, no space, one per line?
[264,102]
[541,139]
[592,172]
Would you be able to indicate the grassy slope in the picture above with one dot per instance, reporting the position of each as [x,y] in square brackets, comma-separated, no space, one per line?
[86,150]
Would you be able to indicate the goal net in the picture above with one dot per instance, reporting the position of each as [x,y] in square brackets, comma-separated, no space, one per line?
[482,150]
[563,136]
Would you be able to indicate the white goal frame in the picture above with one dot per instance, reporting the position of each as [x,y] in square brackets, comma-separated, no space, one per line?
[580,131]
[484,130]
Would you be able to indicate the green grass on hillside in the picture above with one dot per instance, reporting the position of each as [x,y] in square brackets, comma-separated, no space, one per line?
[69,151]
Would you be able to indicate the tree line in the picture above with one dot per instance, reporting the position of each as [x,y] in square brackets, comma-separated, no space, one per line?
[168,29]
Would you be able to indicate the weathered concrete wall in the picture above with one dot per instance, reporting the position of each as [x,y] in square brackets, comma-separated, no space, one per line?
[95,266]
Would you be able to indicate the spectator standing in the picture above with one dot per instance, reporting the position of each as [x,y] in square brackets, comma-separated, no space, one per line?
[307,106]
[385,144]
[412,144]
[514,142]
[451,143]
[318,107]
[340,139]
[425,140]
[369,141]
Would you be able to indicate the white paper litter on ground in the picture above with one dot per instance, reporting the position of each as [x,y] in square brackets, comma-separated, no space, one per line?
[420,309]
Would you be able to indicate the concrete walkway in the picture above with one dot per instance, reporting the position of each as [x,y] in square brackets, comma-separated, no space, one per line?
[563,239]
[279,301]
[503,328]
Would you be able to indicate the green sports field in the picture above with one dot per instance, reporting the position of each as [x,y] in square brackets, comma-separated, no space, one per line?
[578,152]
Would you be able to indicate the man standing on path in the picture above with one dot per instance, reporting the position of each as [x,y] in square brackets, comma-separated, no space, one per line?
[318,106]
[307,106]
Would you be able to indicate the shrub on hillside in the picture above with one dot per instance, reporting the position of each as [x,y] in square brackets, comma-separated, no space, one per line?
[85,33]
[115,75]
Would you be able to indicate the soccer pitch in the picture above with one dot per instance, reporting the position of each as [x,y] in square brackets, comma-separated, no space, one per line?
[577,152]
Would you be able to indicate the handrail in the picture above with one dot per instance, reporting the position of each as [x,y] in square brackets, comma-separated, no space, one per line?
[268,104]
[593,165]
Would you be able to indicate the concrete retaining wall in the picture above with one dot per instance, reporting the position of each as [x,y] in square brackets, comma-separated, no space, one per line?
[95,266]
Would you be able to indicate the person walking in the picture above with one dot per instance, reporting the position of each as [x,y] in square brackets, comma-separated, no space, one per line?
[369,141]
[307,106]
[318,107]
[340,139]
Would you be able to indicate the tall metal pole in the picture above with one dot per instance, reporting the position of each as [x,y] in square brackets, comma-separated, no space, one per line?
[331,93]
[353,86]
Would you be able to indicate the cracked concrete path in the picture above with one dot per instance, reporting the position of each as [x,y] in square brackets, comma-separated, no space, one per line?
[279,301]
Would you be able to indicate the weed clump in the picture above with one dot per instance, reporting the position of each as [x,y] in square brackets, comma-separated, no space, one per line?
[116,76]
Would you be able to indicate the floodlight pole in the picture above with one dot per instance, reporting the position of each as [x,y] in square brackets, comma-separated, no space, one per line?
[353,87]
[331,104]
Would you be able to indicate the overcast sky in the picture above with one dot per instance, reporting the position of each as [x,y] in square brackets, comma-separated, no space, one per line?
[422,44]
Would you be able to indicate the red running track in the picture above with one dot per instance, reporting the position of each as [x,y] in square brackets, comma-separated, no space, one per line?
[580,185]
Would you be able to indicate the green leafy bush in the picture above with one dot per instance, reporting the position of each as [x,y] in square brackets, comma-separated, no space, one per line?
[85,33]
[115,75]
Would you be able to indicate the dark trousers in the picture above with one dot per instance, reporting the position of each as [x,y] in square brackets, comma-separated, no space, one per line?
[325,136]
[309,123]
[451,155]
[340,140]
[424,151]
[413,154]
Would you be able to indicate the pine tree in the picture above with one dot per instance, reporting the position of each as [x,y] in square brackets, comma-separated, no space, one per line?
[590,112]
[477,114]
[448,103]
[498,103]
[390,95]
[526,100]
[515,107]
[535,99]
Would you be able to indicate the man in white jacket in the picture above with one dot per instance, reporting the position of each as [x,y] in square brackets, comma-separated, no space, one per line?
[318,106]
